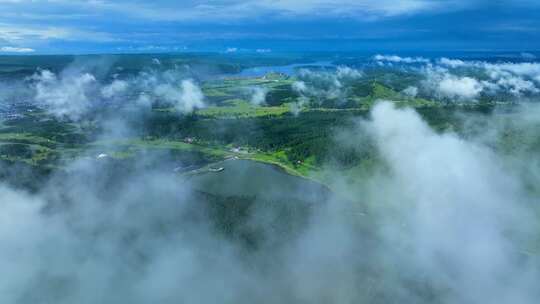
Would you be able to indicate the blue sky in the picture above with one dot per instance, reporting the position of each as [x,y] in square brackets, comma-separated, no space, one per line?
[102,26]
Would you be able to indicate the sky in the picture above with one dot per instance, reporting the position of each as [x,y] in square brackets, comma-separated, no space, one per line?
[121,26]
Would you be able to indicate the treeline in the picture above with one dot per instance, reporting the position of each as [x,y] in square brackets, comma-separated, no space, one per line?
[310,134]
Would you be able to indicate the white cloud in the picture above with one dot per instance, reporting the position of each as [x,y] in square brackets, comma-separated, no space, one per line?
[453,63]
[460,87]
[398,59]
[411,91]
[442,192]
[446,85]
[185,98]
[258,95]
[192,97]
[11,49]
[515,85]
[299,86]
[76,91]
[529,69]
[437,190]
[514,78]
[344,72]
[114,89]
[65,96]
[318,86]
[496,70]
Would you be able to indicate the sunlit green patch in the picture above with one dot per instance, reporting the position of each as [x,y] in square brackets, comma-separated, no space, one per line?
[238,108]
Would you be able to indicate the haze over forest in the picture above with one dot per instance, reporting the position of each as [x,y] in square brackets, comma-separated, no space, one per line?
[269,152]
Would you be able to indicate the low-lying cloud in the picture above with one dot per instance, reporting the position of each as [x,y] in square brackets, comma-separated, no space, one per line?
[258,95]
[462,80]
[115,88]
[185,98]
[78,90]
[449,86]
[458,213]
[317,86]
[451,212]
[65,95]
[444,220]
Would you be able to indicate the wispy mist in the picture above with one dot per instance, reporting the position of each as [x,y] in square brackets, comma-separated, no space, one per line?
[440,216]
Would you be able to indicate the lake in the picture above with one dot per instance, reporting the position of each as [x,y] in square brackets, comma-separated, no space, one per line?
[251,178]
